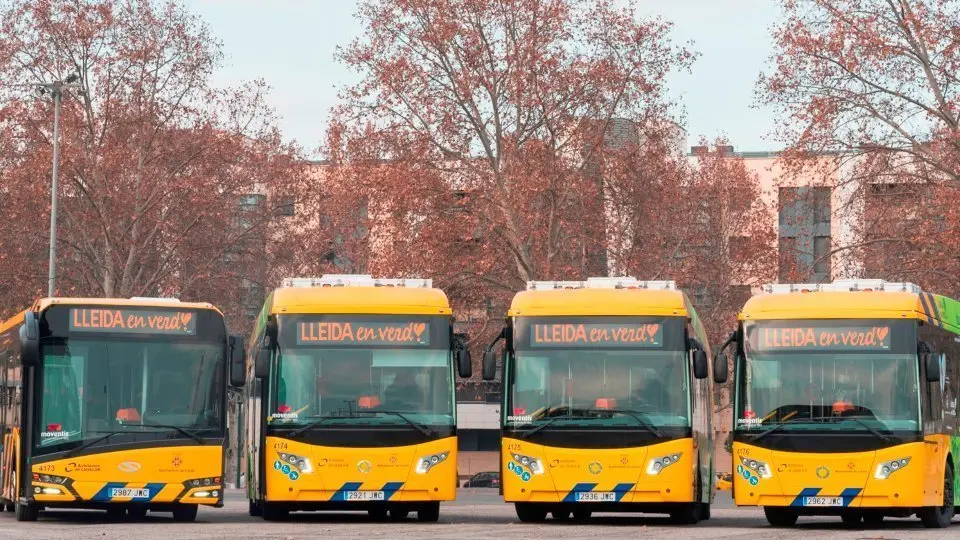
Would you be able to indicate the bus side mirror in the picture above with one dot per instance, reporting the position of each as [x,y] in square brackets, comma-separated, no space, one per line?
[489,364]
[930,361]
[464,365]
[30,339]
[238,362]
[700,364]
[261,367]
[462,355]
[720,368]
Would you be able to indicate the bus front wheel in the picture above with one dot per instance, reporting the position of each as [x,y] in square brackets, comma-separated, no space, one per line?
[780,517]
[530,513]
[253,508]
[26,512]
[429,512]
[273,511]
[939,517]
[185,513]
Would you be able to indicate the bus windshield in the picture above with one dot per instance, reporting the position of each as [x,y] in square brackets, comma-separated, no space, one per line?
[599,371]
[336,370]
[350,385]
[829,375]
[93,387]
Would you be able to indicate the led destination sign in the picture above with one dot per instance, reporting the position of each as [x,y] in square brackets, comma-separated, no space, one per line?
[363,333]
[823,338]
[133,321]
[596,334]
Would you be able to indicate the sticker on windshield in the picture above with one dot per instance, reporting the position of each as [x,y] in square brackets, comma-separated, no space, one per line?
[598,334]
[133,321]
[800,338]
[365,333]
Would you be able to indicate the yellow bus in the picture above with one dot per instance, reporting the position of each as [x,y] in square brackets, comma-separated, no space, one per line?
[608,401]
[350,398]
[846,402]
[118,405]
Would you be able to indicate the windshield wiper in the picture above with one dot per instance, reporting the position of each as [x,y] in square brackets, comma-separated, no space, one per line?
[186,432]
[316,423]
[77,450]
[551,420]
[859,420]
[426,430]
[639,416]
[831,419]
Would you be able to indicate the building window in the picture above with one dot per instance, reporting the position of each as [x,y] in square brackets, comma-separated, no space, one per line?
[286,207]
[821,204]
[788,258]
[821,255]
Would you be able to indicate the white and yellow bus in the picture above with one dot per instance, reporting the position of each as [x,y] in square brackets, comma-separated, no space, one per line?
[114,404]
[350,398]
[846,402]
[608,401]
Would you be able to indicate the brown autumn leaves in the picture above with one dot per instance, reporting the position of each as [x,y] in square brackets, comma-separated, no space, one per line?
[487,143]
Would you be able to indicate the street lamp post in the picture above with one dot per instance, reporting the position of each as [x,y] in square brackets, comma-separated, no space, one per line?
[56,89]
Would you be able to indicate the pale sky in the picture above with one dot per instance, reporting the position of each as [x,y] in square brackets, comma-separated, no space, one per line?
[291,43]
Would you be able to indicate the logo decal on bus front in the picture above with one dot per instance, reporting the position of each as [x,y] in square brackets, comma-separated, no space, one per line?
[129,466]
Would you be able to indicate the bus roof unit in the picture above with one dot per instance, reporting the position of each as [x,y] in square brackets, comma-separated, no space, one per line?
[359,294]
[844,285]
[613,296]
[356,280]
[845,299]
[603,283]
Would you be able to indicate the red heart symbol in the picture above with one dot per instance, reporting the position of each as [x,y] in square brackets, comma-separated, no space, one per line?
[418,329]
[882,332]
[652,330]
[185,318]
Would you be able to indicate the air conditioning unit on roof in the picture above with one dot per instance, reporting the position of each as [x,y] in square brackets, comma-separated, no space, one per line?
[844,285]
[603,283]
[356,280]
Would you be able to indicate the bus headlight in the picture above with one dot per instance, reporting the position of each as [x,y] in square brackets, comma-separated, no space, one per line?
[658,464]
[885,469]
[757,466]
[426,463]
[300,462]
[531,463]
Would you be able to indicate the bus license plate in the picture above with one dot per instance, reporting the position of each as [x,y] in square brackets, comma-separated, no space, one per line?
[596,496]
[124,493]
[823,501]
[363,496]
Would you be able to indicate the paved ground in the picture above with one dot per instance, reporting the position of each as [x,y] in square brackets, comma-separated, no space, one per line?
[478,513]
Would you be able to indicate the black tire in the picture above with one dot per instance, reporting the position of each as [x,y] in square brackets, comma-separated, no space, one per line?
[429,513]
[530,513]
[26,512]
[873,520]
[939,517]
[377,513]
[686,514]
[185,513]
[581,514]
[116,513]
[137,513]
[254,508]
[273,511]
[851,517]
[778,516]
[705,512]
[560,515]
[398,514]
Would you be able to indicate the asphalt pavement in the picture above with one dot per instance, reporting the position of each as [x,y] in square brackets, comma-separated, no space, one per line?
[477,513]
